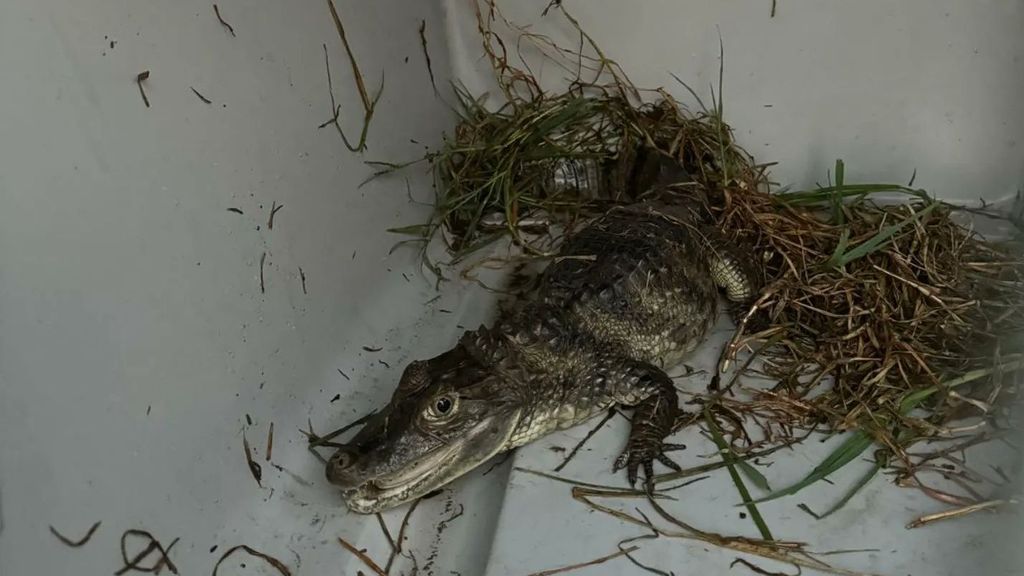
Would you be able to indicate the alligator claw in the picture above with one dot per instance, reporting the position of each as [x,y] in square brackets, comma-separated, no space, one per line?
[636,456]
[668,462]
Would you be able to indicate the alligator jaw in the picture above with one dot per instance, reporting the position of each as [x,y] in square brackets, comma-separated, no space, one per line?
[437,470]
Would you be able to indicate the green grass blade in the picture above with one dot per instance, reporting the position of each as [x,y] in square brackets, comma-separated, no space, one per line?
[852,447]
[837,254]
[910,401]
[853,490]
[837,197]
[753,475]
[827,193]
[881,238]
[414,230]
[730,459]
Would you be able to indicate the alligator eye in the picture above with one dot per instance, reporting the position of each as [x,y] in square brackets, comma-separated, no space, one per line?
[442,408]
[443,405]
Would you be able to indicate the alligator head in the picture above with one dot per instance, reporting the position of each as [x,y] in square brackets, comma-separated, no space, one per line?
[448,415]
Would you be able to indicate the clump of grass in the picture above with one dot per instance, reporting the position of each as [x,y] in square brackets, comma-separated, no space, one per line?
[541,163]
[879,312]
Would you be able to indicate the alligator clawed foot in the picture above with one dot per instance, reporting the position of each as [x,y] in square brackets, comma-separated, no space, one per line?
[643,454]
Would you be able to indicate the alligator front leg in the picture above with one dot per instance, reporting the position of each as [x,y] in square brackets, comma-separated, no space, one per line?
[732,270]
[649,389]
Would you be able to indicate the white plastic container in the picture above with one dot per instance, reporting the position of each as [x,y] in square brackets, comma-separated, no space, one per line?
[148,312]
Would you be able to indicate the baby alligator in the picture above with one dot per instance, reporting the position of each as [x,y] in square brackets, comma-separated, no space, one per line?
[628,296]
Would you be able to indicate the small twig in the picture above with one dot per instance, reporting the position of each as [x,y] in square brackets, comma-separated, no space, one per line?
[236,210]
[781,551]
[302,277]
[958,512]
[369,105]
[201,97]
[773,16]
[273,210]
[808,510]
[387,533]
[216,11]
[654,535]
[315,441]
[426,54]
[153,546]
[444,523]
[165,560]
[572,453]
[277,564]
[263,286]
[401,537]
[613,490]
[762,571]
[270,441]
[254,467]
[144,75]
[594,562]
[362,556]
[75,543]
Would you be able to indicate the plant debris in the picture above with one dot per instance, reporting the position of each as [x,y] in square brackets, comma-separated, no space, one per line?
[957,512]
[270,442]
[144,75]
[220,19]
[594,562]
[362,556]
[235,210]
[273,210]
[343,375]
[316,441]
[274,562]
[372,349]
[399,542]
[200,96]
[153,546]
[369,106]
[254,467]
[302,277]
[757,569]
[426,53]
[263,286]
[576,448]
[76,543]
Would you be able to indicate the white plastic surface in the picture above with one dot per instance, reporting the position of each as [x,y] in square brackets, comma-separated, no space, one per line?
[135,339]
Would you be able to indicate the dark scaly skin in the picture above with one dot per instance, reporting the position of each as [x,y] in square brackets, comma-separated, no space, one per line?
[629,296]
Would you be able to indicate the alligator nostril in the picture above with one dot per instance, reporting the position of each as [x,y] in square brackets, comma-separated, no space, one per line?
[343,459]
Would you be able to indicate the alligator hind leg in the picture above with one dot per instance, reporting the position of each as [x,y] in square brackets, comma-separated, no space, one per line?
[651,392]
